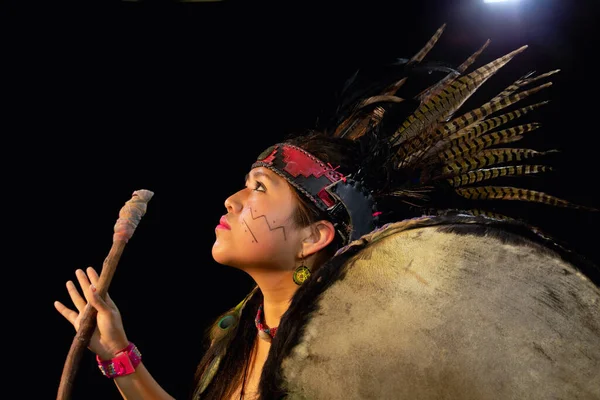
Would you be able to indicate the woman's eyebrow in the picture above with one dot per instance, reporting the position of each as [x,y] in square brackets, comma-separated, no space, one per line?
[260,174]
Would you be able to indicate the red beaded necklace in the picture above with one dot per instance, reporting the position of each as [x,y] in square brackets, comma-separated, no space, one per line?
[263,331]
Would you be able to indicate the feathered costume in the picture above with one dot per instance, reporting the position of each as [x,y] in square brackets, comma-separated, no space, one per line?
[455,300]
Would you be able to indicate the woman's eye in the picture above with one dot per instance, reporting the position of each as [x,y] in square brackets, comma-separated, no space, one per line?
[259,187]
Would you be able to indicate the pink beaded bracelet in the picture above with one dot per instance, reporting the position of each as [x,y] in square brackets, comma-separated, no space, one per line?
[124,363]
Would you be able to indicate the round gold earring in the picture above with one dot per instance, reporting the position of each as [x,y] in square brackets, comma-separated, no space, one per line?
[301,274]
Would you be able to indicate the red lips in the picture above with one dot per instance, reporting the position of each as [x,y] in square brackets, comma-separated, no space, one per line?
[223,223]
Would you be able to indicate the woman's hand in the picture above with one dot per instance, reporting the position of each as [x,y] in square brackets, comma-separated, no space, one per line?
[109,335]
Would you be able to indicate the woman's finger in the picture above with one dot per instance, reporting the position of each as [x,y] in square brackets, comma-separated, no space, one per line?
[84,283]
[96,301]
[93,276]
[78,301]
[66,312]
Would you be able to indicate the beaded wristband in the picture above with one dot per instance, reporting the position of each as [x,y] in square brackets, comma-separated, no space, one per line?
[124,363]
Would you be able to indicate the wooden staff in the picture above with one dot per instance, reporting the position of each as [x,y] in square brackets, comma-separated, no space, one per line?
[129,217]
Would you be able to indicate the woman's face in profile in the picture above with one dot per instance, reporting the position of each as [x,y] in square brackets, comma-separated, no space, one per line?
[258,230]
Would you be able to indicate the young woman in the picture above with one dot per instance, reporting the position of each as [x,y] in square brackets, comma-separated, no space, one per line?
[269,231]
[378,272]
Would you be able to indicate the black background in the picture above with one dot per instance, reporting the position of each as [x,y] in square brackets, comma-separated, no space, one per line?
[179,98]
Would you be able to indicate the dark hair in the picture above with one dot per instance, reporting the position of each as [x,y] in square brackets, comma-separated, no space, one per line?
[237,344]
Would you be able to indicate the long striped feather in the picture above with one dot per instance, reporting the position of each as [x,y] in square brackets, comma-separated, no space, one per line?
[449,100]
[484,174]
[514,193]
[435,89]
[487,158]
[416,148]
[524,81]
[463,146]
[420,55]
[480,127]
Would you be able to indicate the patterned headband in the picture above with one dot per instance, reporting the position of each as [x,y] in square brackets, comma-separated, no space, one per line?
[347,202]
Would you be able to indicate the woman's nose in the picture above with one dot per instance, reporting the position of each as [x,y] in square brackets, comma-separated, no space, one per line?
[234,202]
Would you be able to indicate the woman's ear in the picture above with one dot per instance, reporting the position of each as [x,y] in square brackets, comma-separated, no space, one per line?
[321,233]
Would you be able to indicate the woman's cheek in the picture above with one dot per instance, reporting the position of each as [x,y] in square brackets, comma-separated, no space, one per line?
[260,227]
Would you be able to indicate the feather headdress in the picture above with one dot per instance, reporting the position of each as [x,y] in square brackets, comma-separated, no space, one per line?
[422,151]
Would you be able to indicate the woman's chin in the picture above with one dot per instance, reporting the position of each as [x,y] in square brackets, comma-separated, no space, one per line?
[220,255]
